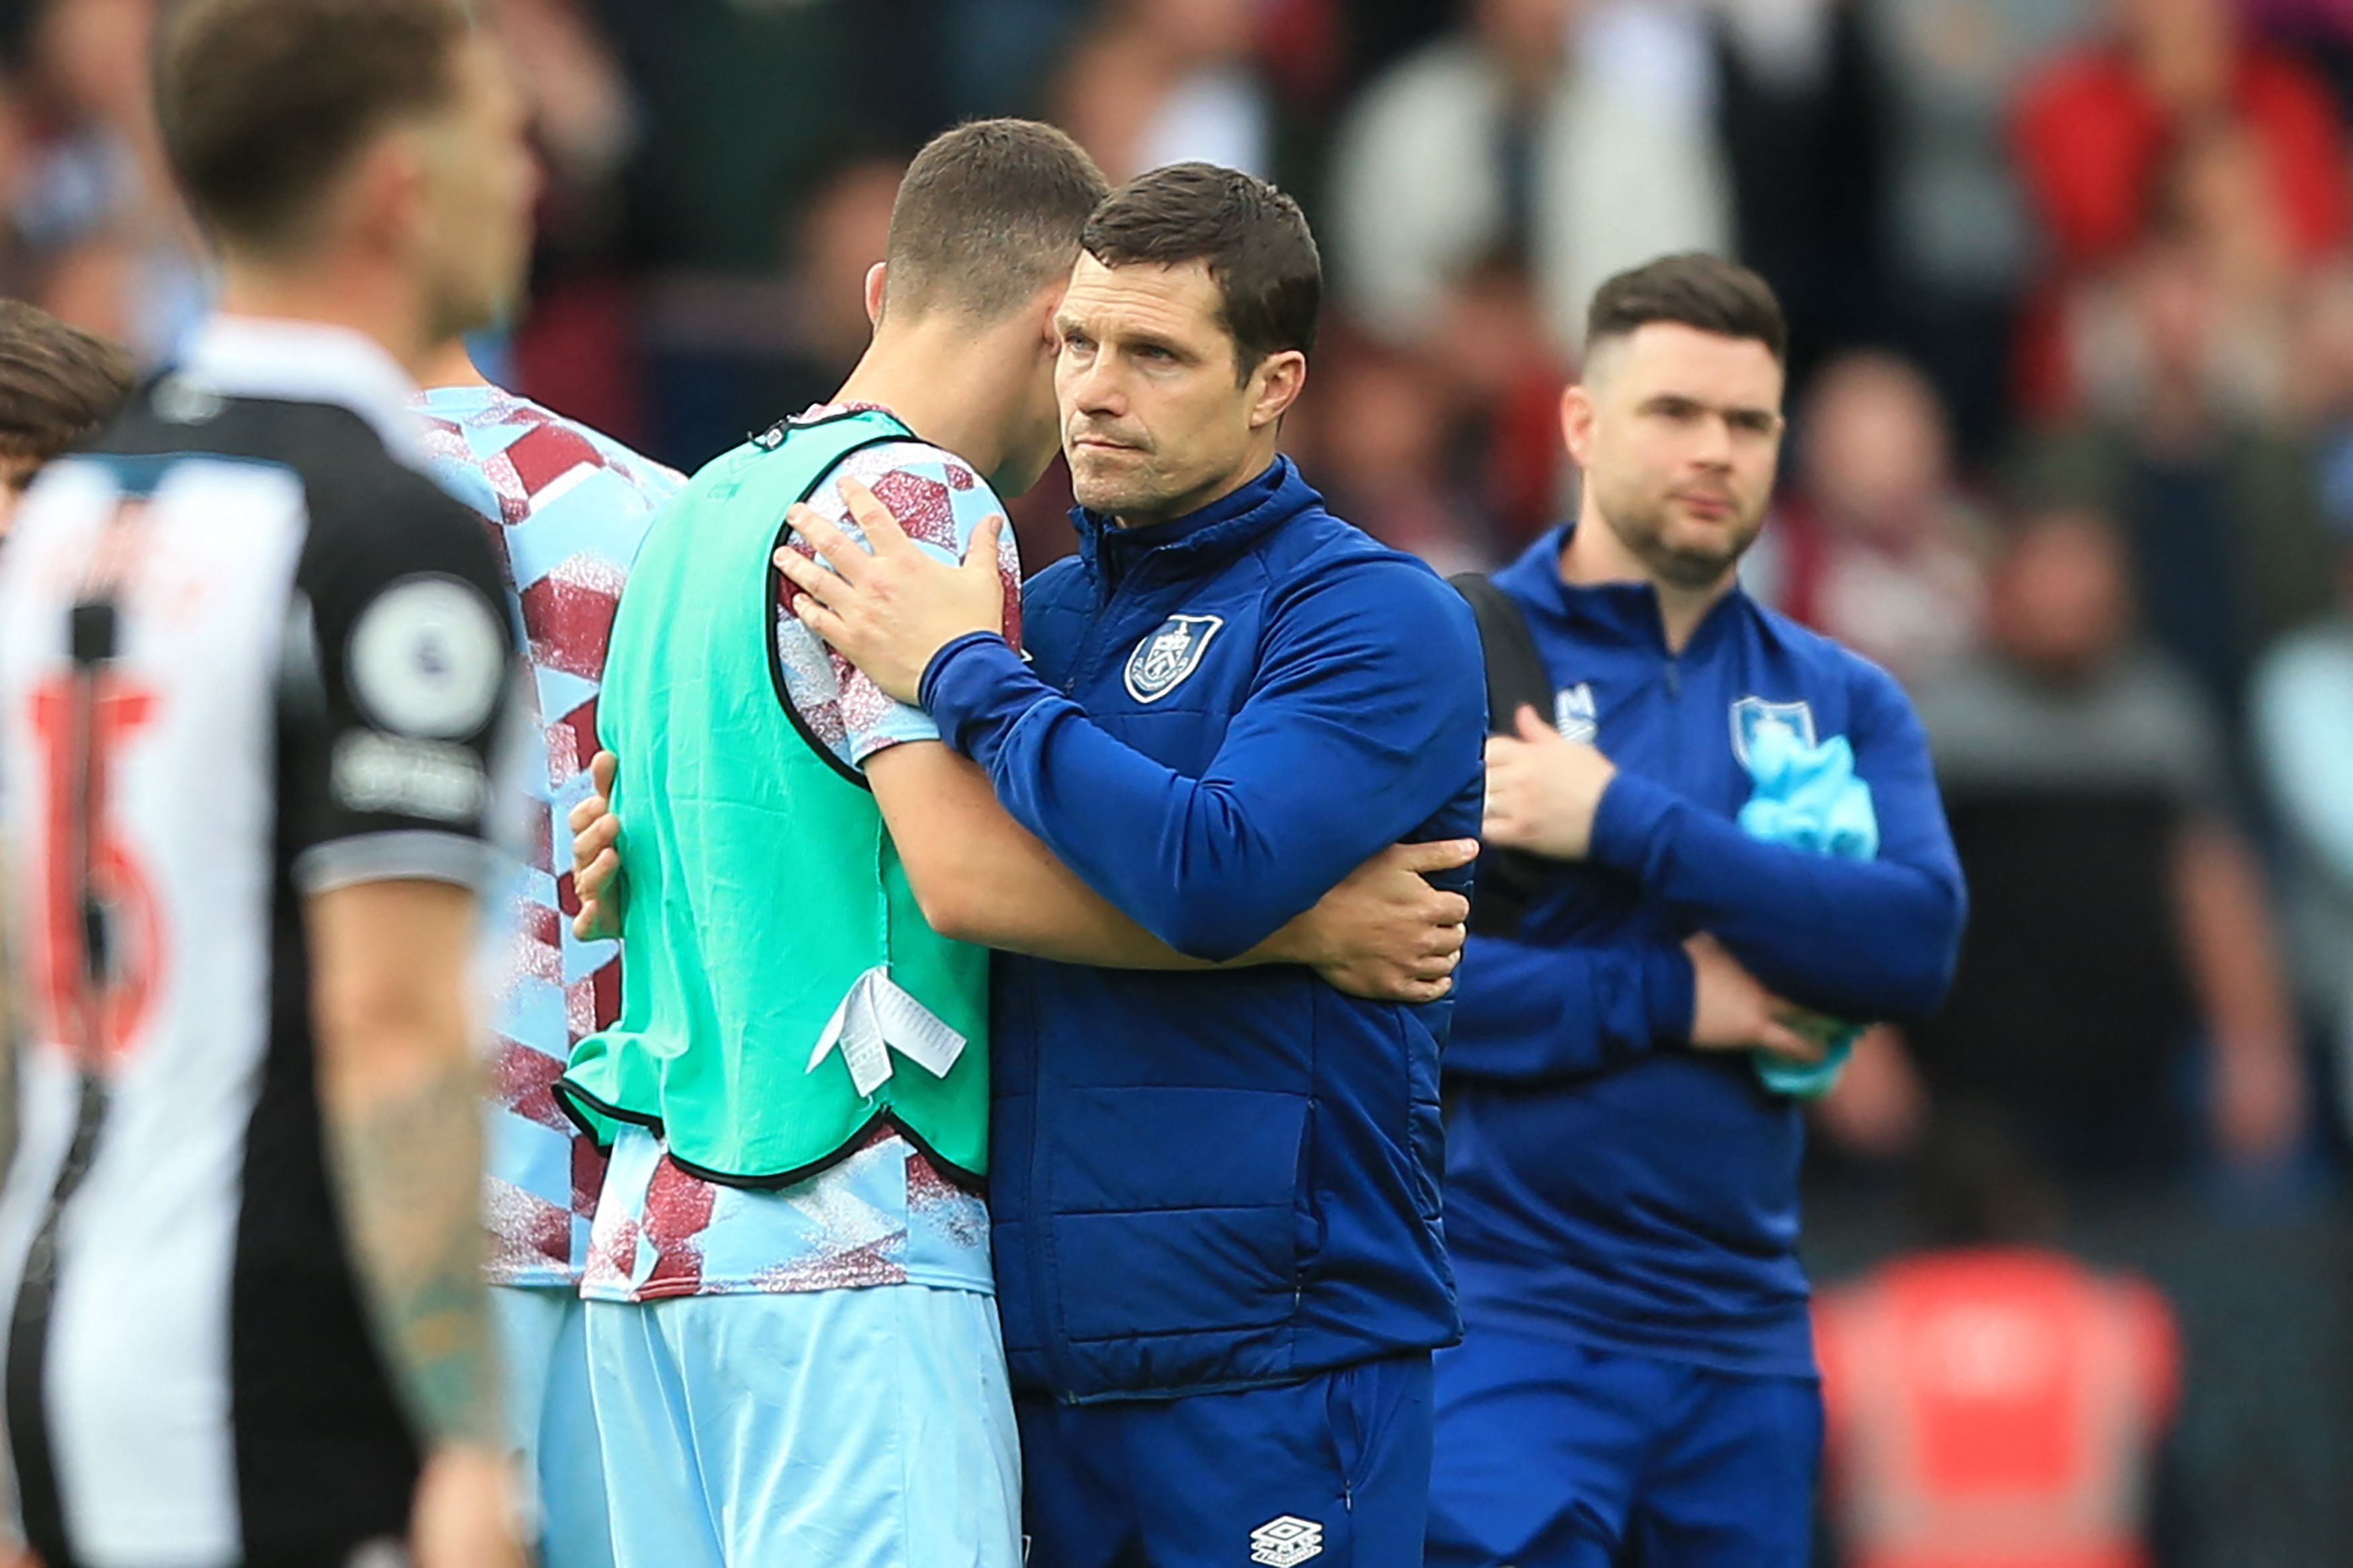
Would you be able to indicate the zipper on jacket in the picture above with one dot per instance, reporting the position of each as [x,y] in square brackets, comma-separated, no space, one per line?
[1082,667]
[1675,683]
[1042,1273]
[1042,1239]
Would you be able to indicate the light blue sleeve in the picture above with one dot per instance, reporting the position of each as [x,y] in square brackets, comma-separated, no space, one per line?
[464,479]
[941,502]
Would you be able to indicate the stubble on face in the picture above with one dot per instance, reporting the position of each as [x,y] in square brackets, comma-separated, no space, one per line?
[1684,499]
[1113,466]
[1148,388]
[1648,523]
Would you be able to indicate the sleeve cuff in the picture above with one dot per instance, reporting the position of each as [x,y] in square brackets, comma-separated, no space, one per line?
[1630,816]
[929,686]
[975,688]
[1672,988]
[410,855]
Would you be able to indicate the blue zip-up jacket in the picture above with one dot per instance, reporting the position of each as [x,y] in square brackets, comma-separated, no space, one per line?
[1223,1180]
[1608,1183]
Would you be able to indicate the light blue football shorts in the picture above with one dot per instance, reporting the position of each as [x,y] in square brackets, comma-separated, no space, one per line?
[855,1428]
[549,1426]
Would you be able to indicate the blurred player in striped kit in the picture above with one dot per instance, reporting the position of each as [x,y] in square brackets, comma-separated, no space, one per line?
[568,507]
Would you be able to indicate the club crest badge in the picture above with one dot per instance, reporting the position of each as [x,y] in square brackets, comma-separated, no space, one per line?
[1574,713]
[1161,661]
[1753,714]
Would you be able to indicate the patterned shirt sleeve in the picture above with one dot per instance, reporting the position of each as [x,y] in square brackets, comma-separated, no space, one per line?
[940,501]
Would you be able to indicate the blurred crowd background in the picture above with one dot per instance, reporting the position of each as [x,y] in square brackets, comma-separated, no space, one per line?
[2071,283]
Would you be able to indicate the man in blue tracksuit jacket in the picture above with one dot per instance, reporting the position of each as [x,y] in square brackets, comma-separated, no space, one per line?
[1637,1382]
[1215,1193]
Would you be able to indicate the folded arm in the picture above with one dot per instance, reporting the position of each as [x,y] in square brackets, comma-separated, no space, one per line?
[983,878]
[1367,693]
[1527,1012]
[1859,939]
[1385,933]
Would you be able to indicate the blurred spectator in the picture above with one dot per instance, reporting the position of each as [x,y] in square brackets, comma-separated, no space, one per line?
[1959,239]
[830,247]
[1666,52]
[734,354]
[2095,127]
[93,230]
[583,118]
[2300,725]
[2303,732]
[1804,128]
[1379,456]
[1381,32]
[997,53]
[1168,81]
[2187,438]
[2118,918]
[748,108]
[2197,316]
[1876,546]
[576,348]
[1503,138]
[2320,31]
[1501,381]
[1992,1401]
[2321,391]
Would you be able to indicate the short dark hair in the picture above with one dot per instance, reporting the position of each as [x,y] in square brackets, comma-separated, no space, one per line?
[987,215]
[1260,252]
[263,104]
[58,384]
[1690,289]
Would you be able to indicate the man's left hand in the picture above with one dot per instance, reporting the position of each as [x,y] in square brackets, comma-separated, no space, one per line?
[890,611]
[1543,790]
[1386,935]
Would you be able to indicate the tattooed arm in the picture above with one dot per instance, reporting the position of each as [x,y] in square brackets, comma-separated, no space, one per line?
[401,1097]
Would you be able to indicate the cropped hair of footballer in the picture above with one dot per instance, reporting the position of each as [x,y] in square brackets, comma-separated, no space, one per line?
[264,103]
[987,215]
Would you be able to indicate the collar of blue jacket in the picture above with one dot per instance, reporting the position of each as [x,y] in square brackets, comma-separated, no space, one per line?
[1623,613]
[1199,539]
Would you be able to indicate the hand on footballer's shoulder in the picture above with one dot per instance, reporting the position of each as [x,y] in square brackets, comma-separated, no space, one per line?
[883,601]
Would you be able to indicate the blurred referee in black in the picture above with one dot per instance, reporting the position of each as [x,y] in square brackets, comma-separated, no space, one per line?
[254,667]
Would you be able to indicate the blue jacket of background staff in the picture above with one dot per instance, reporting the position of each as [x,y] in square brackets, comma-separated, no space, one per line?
[1203,1181]
[1606,1183]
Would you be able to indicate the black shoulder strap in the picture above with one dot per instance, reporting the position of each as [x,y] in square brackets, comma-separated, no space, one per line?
[1517,677]
[1508,879]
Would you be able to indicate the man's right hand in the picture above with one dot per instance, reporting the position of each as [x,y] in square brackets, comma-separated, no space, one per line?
[464,1515]
[1386,935]
[596,855]
[1732,1011]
